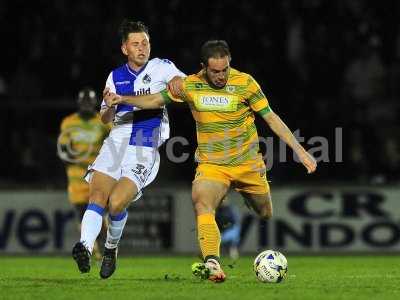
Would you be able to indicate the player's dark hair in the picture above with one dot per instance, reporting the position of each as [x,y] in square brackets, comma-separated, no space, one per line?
[129,26]
[214,49]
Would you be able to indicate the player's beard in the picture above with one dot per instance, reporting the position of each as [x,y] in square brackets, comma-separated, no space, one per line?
[215,86]
[212,84]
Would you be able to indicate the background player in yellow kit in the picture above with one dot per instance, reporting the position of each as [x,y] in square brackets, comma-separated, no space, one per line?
[82,134]
[223,102]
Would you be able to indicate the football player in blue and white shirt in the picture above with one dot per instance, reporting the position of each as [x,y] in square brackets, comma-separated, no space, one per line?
[129,158]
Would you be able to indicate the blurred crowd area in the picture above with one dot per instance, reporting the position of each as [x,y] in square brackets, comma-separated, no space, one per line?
[322,64]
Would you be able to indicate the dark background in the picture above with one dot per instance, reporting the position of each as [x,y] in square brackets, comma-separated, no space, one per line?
[322,65]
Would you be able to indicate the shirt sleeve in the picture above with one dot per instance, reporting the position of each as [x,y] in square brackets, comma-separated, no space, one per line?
[168,97]
[111,86]
[171,70]
[256,98]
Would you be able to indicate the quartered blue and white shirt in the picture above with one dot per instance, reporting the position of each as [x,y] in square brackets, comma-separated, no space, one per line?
[148,128]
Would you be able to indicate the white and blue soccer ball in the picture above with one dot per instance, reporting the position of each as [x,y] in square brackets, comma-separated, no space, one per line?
[270,266]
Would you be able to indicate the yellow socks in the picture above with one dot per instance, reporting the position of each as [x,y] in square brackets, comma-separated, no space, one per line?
[208,235]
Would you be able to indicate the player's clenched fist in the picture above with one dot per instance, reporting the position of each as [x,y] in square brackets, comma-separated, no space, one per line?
[308,161]
[111,99]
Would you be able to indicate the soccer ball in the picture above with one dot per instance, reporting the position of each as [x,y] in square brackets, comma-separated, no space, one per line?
[270,266]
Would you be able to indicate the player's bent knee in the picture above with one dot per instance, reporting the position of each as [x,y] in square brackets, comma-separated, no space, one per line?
[196,196]
[202,207]
[99,197]
[117,204]
[116,208]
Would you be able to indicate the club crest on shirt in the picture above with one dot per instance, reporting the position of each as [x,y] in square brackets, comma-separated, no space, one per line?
[146,79]
[198,85]
[230,88]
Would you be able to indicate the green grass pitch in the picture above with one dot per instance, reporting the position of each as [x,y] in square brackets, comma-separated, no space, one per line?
[311,277]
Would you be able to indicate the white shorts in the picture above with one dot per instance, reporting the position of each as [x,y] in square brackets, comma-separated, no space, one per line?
[118,159]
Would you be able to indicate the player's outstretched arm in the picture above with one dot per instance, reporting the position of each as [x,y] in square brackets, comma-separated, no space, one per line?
[152,101]
[281,130]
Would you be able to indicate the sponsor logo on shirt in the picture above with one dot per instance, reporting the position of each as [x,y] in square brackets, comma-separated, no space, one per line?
[216,102]
[141,91]
[122,82]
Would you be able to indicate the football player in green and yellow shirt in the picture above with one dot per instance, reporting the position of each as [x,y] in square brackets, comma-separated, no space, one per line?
[223,102]
[81,136]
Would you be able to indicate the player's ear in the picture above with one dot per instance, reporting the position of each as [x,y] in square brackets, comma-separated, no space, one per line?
[123,49]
